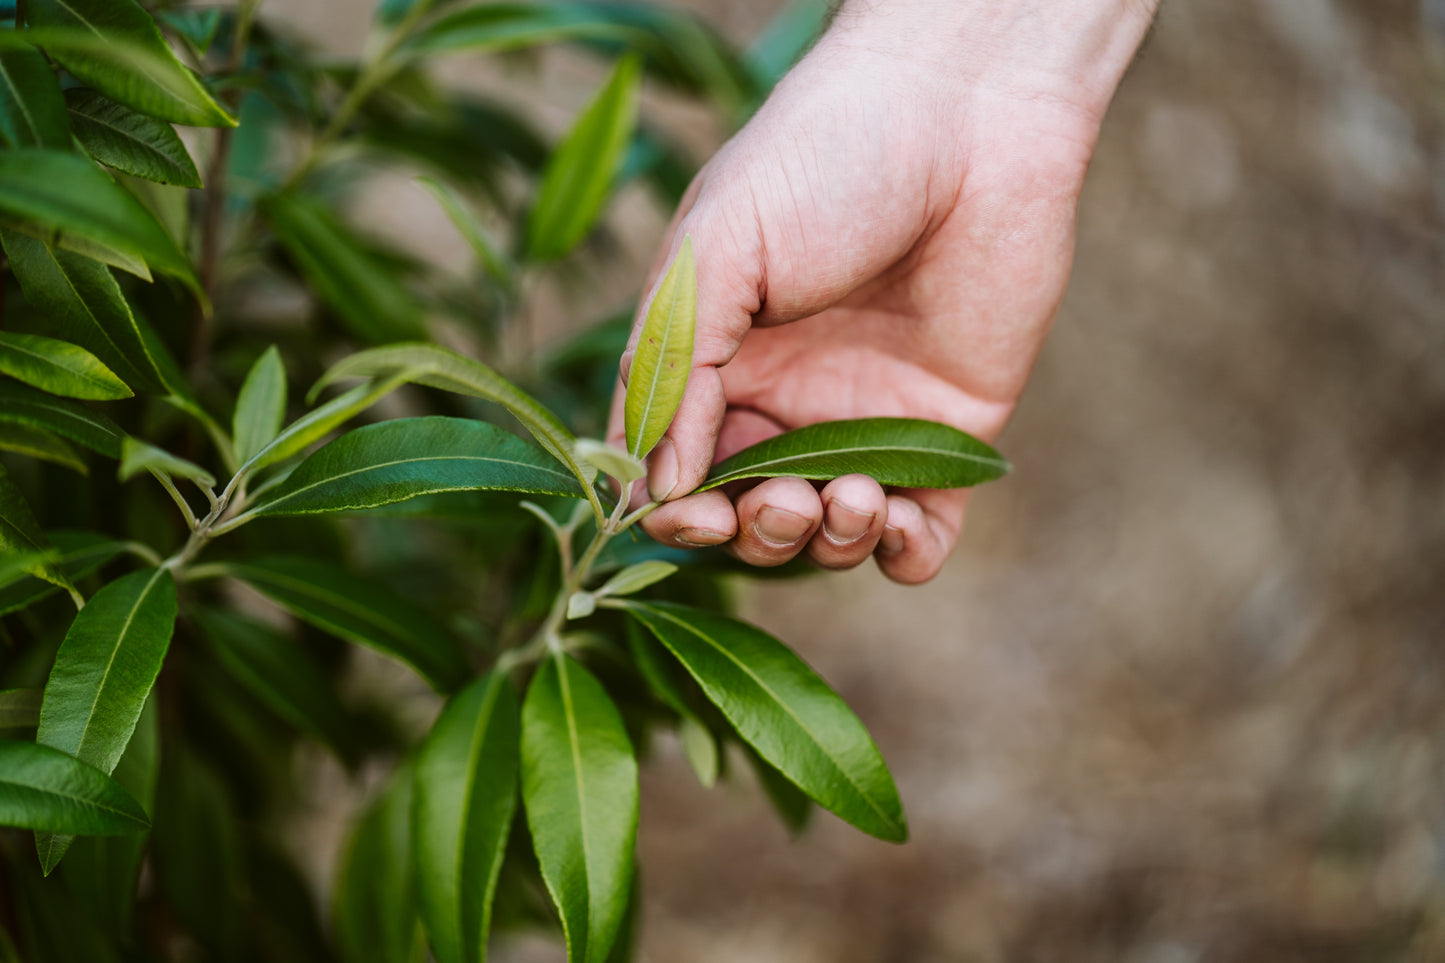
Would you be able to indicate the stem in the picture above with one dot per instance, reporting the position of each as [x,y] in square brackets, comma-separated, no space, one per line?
[176,497]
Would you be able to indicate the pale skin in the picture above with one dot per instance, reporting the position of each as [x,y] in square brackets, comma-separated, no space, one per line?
[890,235]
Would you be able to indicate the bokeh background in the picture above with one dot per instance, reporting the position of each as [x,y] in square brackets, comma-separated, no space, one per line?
[1180,695]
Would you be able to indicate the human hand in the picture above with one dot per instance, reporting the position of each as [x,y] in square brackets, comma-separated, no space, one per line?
[890,236]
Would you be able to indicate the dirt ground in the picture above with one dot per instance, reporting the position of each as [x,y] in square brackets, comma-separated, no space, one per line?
[1178,697]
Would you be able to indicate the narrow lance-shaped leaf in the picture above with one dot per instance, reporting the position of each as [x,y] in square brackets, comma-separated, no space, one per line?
[58,367]
[464,800]
[138,456]
[32,110]
[122,137]
[611,461]
[50,791]
[906,452]
[507,26]
[261,405]
[579,784]
[781,708]
[579,175]
[635,578]
[41,444]
[662,359]
[698,744]
[469,228]
[375,911]
[320,421]
[26,406]
[76,554]
[20,534]
[103,674]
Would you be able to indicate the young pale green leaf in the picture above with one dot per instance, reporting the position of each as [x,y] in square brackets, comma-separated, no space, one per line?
[261,405]
[32,109]
[59,367]
[906,452]
[40,444]
[49,791]
[577,180]
[365,293]
[20,534]
[442,368]
[115,47]
[700,749]
[319,422]
[75,554]
[358,610]
[375,911]
[781,708]
[579,784]
[635,578]
[581,604]
[471,230]
[122,137]
[613,462]
[463,803]
[19,708]
[663,357]
[137,456]
[103,675]
[26,406]
[66,194]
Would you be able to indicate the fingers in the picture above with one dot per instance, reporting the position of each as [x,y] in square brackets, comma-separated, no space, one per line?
[776,520]
[922,529]
[855,512]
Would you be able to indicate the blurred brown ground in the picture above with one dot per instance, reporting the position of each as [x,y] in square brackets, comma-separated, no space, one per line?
[1180,696]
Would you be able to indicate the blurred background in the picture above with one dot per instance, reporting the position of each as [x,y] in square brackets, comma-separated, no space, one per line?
[1180,695]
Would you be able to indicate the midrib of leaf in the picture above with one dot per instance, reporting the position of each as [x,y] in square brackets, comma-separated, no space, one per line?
[574,744]
[852,450]
[71,796]
[92,315]
[144,145]
[12,346]
[656,373]
[155,82]
[887,819]
[99,426]
[20,102]
[114,651]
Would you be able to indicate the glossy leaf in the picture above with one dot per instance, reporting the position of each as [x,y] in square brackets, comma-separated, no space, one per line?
[366,293]
[613,462]
[635,578]
[115,47]
[19,708]
[32,109]
[75,554]
[261,405]
[66,194]
[375,911]
[906,452]
[49,791]
[358,610]
[663,357]
[26,406]
[579,784]
[396,460]
[781,708]
[103,675]
[319,422]
[463,803]
[137,456]
[59,367]
[20,534]
[122,137]
[40,444]
[577,180]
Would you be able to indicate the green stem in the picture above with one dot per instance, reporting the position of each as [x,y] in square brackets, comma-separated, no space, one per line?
[176,497]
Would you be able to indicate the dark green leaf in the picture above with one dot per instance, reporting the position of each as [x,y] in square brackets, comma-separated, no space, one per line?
[358,610]
[465,796]
[32,110]
[49,791]
[261,405]
[59,367]
[576,182]
[124,138]
[375,914]
[20,533]
[76,554]
[197,27]
[579,783]
[137,456]
[19,708]
[41,444]
[656,669]
[663,357]
[396,460]
[781,708]
[66,194]
[26,406]
[364,291]
[906,452]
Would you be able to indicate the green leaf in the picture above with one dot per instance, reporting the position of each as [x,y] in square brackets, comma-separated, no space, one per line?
[358,610]
[76,554]
[103,674]
[124,138]
[611,461]
[906,452]
[197,27]
[20,533]
[26,406]
[41,444]
[781,708]
[579,783]
[318,423]
[66,194]
[375,914]
[363,290]
[49,791]
[261,405]
[576,182]
[700,749]
[396,460]
[59,367]
[114,46]
[469,228]
[32,110]
[19,708]
[438,367]
[463,803]
[663,357]
[635,578]
[508,26]
[138,456]
[698,744]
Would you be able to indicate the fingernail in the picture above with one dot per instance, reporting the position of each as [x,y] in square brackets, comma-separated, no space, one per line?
[662,470]
[844,524]
[778,526]
[892,541]
[699,537]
